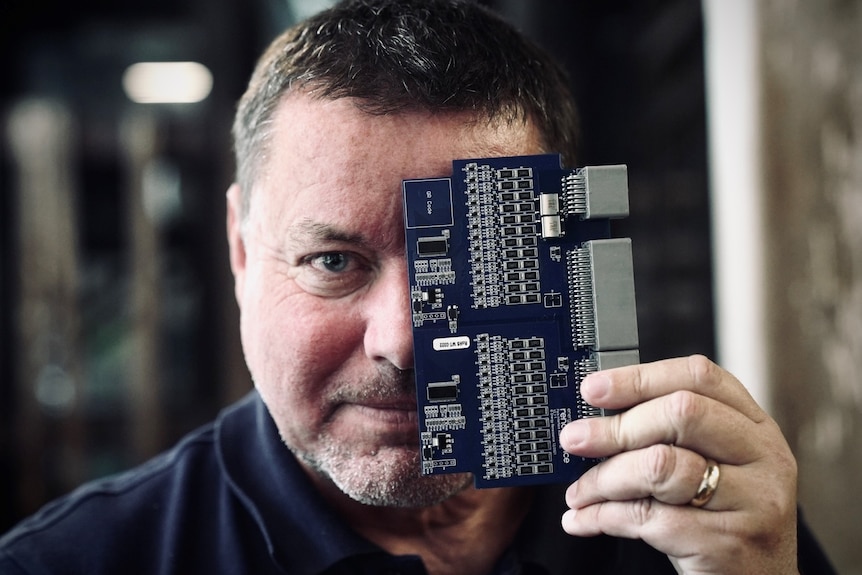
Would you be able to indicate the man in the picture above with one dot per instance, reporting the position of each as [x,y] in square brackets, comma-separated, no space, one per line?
[339,110]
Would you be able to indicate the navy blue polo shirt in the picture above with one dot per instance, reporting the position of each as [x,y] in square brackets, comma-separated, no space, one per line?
[231,499]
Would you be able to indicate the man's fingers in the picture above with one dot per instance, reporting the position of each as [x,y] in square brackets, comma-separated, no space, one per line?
[675,530]
[686,419]
[705,541]
[623,387]
[676,416]
[665,473]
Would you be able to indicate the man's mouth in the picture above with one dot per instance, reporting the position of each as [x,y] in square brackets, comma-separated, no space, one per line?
[385,405]
[398,413]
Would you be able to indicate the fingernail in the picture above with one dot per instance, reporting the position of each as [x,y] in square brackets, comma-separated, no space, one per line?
[595,385]
[572,435]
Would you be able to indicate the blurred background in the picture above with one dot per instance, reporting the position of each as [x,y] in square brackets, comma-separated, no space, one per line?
[740,122]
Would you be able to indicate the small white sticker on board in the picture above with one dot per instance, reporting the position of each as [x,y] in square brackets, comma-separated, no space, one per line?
[450,343]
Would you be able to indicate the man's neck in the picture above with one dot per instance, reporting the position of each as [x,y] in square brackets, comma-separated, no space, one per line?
[466,534]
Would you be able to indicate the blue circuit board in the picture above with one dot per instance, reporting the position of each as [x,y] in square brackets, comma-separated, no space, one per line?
[517,292]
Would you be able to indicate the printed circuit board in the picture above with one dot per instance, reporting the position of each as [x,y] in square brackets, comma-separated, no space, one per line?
[517,292]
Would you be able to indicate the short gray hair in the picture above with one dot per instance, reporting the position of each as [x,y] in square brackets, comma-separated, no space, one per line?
[407,55]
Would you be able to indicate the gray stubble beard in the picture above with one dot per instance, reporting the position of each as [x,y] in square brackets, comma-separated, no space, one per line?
[388,477]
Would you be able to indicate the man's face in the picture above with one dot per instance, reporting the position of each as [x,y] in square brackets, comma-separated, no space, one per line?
[321,281]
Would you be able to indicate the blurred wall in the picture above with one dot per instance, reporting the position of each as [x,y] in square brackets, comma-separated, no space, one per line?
[118,325]
[812,150]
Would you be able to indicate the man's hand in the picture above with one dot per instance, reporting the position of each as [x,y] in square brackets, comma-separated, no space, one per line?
[678,414]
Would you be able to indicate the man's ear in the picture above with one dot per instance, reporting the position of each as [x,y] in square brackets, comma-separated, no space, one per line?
[235,240]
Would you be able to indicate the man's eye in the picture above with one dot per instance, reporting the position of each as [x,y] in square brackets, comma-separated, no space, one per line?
[333,262]
[334,274]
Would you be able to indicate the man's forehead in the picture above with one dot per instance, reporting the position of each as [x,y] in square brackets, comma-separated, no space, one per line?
[336,163]
[505,130]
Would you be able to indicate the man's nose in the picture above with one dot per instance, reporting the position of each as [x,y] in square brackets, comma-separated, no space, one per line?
[389,331]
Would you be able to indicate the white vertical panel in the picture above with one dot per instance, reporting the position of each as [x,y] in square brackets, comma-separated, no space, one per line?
[733,105]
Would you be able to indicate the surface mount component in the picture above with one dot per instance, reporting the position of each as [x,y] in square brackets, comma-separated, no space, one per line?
[517,292]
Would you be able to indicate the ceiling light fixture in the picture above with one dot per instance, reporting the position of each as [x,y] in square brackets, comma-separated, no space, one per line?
[167,82]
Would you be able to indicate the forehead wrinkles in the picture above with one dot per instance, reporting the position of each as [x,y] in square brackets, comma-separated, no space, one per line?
[382,238]
[373,225]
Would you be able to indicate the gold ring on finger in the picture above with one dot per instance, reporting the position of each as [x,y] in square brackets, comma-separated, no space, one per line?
[708,484]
